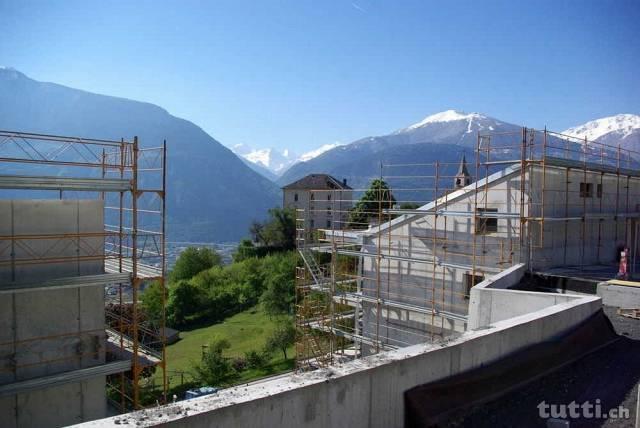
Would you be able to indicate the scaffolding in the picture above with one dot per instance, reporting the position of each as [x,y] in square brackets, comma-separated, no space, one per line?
[397,269]
[130,250]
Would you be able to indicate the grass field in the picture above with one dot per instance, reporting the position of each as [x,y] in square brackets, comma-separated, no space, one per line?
[245,331]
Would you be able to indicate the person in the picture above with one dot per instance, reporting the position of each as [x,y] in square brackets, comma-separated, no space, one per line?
[623,270]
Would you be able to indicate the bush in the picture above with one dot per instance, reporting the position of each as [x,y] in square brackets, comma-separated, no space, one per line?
[192,261]
[257,359]
[214,368]
[222,291]
[239,364]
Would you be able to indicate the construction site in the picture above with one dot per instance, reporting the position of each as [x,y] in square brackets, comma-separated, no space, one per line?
[438,286]
[82,233]
[561,206]
[445,285]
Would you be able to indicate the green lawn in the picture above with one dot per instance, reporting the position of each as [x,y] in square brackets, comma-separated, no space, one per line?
[245,331]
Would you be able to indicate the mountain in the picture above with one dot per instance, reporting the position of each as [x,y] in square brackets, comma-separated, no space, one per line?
[257,167]
[273,163]
[211,194]
[443,136]
[623,129]
[317,152]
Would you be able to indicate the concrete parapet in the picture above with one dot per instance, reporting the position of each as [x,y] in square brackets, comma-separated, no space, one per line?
[492,301]
[367,392]
[619,295]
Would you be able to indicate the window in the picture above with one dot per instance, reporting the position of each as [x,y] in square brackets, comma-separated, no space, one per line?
[328,224]
[586,190]
[329,197]
[471,281]
[312,223]
[486,224]
[295,197]
[313,197]
[599,190]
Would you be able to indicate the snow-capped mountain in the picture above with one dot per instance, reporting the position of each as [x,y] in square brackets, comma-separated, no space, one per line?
[317,152]
[276,162]
[623,129]
[441,127]
[442,136]
[452,116]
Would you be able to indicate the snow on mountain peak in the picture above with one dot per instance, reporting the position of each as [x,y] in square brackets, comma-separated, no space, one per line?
[446,116]
[262,156]
[317,152]
[277,161]
[11,73]
[622,125]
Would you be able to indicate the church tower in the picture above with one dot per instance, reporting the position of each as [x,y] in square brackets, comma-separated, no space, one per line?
[462,178]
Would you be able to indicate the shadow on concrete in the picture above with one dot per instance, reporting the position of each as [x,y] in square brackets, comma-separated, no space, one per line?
[507,393]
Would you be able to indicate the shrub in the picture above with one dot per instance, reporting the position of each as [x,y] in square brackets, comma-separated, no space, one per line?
[256,359]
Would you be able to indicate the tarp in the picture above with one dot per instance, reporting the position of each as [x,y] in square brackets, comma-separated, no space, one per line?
[435,403]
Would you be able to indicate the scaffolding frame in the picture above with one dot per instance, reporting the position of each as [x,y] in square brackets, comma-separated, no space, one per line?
[347,298]
[131,181]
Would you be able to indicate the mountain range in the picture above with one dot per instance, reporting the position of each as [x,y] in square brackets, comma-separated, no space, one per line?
[272,163]
[445,137]
[215,193]
[211,194]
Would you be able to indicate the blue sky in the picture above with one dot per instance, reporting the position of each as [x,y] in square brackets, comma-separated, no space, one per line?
[301,73]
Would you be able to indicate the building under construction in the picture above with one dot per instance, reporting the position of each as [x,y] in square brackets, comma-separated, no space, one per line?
[559,205]
[81,233]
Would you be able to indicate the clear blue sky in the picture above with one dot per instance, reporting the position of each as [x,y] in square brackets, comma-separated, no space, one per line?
[302,73]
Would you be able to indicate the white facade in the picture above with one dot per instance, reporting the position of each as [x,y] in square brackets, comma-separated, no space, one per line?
[431,261]
[321,208]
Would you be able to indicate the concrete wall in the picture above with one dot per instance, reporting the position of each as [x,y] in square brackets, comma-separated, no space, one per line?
[491,301]
[620,296]
[52,330]
[44,217]
[57,406]
[366,392]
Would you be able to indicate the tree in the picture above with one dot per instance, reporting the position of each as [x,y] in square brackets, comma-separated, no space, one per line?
[214,369]
[282,227]
[185,299]
[409,206]
[279,231]
[245,250]
[279,282]
[152,301]
[192,261]
[282,337]
[377,197]
[257,232]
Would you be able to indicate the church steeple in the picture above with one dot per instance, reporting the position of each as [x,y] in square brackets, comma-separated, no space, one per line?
[462,178]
